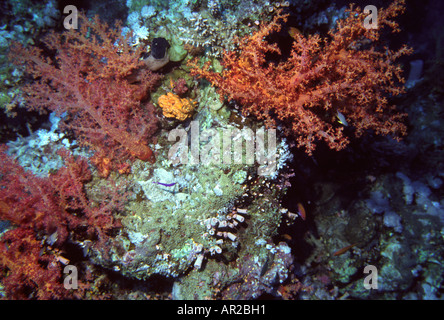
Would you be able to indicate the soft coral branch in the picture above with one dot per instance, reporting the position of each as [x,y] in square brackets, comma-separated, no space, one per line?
[28,200]
[56,207]
[58,203]
[343,73]
[88,79]
[26,272]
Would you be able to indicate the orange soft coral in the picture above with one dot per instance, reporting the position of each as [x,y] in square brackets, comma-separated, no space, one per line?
[175,107]
[343,75]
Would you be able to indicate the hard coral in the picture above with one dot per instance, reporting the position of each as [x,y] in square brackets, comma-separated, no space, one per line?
[343,75]
[175,107]
[91,78]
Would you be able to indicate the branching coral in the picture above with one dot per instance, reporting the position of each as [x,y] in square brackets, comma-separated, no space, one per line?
[97,78]
[28,200]
[26,272]
[55,207]
[56,204]
[342,75]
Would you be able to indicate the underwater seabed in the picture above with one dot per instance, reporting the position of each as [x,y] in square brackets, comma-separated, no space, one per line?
[201,221]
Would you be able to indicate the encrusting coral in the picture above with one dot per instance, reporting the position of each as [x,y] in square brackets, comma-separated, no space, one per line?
[341,76]
[175,107]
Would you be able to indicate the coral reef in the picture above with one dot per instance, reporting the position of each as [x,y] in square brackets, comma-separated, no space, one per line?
[90,83]
[209,207]
[38,152]
[322,79]
[53,204]
[55,207]
[231,208]
[25,272]
[24,22]
[207,27]
[260,273]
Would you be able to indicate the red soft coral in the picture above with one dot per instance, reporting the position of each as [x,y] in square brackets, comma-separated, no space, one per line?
[26,271]
[91,78]
[56,208]
[97,219]
[29,200]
